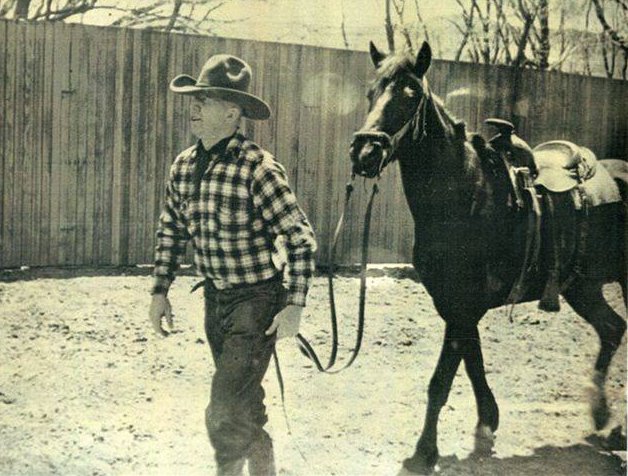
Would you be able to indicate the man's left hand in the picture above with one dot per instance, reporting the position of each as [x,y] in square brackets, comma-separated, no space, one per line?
[286,322]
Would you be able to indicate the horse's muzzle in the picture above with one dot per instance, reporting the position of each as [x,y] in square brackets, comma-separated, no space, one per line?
[368,153]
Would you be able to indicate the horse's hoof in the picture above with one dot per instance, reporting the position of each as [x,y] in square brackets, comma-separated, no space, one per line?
[601,415]
[597,401]
[599,407]
[420,464]
[484,441]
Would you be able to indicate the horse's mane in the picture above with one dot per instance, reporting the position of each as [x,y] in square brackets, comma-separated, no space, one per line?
[458,125]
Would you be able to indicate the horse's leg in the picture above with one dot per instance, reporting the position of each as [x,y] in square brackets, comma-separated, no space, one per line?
[488,412]
[587,299]
[426,452]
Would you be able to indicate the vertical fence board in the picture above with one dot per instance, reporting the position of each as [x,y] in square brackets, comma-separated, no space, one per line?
[9,233]
[124,139]
[83,123]
[44,149]
[28,141]
[4,239]
[64,147]
[22,139]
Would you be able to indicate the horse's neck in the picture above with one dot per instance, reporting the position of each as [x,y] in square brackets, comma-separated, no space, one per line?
[439,174]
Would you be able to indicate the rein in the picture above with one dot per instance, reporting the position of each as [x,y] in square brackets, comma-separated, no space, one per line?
[304,346]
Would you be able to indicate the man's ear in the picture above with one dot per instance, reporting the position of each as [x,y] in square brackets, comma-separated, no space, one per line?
[234,112]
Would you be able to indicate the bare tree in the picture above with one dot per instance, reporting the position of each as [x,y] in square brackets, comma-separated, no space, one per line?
[399,6]
[613,41]
[49,10]
[514,32]
[388,25]
[190,16]
[420,21]
[466,29]
[401,23]
[343,27]
[611,32]
[170,15]
[544,35]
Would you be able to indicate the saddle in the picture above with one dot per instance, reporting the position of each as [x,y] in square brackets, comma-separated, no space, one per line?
[548,183]
[563,165]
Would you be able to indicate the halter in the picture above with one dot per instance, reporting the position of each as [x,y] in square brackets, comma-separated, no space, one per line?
[389,144]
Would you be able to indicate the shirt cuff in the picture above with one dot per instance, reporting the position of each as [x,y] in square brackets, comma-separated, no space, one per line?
[161,285]
[296,295]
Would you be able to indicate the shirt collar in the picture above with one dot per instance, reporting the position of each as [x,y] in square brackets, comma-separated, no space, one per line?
[229,146]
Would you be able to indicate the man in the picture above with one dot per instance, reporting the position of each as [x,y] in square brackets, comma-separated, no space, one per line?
[232,200]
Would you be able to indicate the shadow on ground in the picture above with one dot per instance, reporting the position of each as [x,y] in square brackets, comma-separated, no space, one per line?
[575,460]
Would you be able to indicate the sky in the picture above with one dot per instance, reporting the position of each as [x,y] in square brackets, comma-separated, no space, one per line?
[306,21]
[318,22]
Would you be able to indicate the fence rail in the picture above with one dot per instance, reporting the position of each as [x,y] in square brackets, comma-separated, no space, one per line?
[89,129]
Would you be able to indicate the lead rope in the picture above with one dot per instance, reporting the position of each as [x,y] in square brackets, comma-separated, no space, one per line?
[305,347]
[334,322]
[283,401]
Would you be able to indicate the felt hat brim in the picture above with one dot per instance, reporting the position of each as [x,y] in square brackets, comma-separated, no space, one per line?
[252,106]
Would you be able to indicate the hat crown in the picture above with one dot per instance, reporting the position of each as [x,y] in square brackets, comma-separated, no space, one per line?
[225,71]
[224,77]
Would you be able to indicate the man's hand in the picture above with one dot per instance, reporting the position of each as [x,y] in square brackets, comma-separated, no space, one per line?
[160,308]
[287,322]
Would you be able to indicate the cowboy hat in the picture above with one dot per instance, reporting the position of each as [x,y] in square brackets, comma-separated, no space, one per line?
[225,77]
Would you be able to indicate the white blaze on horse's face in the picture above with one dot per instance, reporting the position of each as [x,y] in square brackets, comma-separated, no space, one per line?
[369,148]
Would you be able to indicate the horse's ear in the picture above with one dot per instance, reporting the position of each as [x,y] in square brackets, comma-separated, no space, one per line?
[376,55]
[423,60]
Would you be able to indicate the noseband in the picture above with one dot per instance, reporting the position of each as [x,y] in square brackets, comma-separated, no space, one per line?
[389,144]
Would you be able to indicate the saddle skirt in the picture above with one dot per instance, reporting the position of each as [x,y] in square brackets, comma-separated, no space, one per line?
[564,166]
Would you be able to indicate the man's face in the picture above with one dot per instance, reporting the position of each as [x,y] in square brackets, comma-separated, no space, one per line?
[210,117]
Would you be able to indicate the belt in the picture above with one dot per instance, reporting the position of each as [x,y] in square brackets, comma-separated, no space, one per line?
[210,284]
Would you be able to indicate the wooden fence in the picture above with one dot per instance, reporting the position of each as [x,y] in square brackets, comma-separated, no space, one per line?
[89,129]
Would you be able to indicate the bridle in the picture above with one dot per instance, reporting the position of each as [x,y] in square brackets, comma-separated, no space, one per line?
[390,144]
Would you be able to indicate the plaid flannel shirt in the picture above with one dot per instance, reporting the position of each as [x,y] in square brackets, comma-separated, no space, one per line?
[234,220]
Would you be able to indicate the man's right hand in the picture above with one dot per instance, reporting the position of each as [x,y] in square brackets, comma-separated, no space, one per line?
[160,308]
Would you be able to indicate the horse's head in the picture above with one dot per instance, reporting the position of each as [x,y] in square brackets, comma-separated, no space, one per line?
[395,99]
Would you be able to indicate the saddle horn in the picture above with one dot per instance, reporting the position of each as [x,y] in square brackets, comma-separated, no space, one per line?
[504,128]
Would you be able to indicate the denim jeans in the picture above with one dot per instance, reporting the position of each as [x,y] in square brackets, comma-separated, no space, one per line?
[235,324]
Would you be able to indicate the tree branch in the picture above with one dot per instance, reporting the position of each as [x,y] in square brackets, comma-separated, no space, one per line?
[615,37]
[390,32]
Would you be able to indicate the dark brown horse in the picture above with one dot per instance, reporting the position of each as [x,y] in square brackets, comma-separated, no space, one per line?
[468,239]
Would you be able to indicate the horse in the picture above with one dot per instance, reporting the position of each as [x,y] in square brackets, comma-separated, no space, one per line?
[467,239]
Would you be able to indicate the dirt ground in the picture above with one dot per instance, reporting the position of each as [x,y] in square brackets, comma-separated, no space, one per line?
[87,389]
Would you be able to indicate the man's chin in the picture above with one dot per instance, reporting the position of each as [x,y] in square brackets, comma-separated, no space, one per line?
[196,131]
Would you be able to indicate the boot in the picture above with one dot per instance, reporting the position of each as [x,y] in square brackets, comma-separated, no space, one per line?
[261,457]
[231,468]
